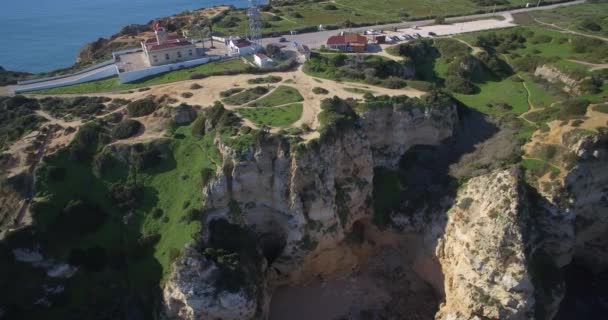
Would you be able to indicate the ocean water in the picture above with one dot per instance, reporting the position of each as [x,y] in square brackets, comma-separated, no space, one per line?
[44,35]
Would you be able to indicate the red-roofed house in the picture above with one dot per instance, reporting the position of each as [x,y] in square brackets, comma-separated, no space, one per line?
[348,42]
[168,48]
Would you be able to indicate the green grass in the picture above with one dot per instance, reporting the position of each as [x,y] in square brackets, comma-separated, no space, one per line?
[169,185]
[539,97]
[280,96]
[495,92]
[571,17]
[273,116]
[538,167]
[246,96]
[113,84]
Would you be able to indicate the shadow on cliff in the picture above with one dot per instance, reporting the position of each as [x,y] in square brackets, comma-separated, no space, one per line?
[423,181]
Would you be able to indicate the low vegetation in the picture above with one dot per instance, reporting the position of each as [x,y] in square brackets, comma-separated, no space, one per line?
[265,80]
[142,107]
[17,118]
[280,96]
[246,96]
[78,107]
[319,91]
[273,116]
[374,70]
[126,129]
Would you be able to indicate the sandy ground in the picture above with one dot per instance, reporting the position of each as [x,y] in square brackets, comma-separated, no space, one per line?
[385,284]
[213,86]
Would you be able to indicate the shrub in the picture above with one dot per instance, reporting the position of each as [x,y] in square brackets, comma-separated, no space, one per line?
[541,38]
[319,90]
[187,95]
[195,86]
[394,83]
[56,173]
[142,107]
[230,92]
[157,213]
[197,76]
[591,25]
[126,129]
[330,7]
[573,108]
[459,84]
[79,217]
[192,215]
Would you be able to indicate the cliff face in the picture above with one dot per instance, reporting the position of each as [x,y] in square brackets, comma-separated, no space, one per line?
[307,199]
[482,251]
[587,184]
[500,246]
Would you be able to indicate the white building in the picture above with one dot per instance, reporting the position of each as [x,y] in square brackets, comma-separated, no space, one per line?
[238,46]
[168,48]
[262,60]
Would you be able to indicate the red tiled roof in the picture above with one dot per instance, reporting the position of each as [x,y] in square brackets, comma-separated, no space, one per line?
[241,43]
[168,45]
[352,39]
[169,38]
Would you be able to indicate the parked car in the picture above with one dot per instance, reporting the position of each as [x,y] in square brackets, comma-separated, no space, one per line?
[395,38]
[432,34]
[402,37]
[408,37]
[282,39]
[417,35]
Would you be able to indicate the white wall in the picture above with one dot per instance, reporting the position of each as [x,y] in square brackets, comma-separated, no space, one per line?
[126,77]
[97,66]
[102,73]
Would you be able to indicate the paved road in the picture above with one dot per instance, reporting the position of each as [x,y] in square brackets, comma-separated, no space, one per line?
[316,39]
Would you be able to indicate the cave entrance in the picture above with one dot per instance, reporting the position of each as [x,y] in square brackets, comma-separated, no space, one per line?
[272,246]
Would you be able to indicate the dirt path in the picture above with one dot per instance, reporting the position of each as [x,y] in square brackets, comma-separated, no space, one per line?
[593,66]
[475,49]
[569,31]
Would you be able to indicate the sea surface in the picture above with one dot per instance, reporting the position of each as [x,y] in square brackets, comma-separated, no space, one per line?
[44,35]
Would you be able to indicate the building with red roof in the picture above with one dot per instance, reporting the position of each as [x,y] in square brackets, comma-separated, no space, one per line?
[168,48]
[348,42]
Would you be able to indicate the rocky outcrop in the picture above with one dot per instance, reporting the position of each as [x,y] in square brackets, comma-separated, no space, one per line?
[482,251]
[587,184]
[192,294]
[309,195]
[554,75]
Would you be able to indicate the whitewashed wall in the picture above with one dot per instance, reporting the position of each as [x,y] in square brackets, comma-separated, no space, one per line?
[130,76]
[107,72]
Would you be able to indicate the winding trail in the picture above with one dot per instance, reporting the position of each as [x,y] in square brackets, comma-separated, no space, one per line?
[563,30]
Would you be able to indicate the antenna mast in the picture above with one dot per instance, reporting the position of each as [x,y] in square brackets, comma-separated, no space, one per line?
[255,25]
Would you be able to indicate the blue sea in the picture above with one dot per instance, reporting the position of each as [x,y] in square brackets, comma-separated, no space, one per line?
[44,35]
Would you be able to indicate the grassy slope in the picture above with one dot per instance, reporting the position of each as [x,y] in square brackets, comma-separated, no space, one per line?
[167,186]
[113,84]
[273,116]
[493,92]
[281,95]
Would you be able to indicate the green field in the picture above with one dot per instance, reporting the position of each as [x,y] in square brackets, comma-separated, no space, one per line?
[574,18]
[313,14]
[280,96]
[492,93]
[113,84]
[273,116]
[538,167]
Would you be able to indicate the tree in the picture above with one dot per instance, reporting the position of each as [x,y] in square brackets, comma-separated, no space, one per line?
[273,50]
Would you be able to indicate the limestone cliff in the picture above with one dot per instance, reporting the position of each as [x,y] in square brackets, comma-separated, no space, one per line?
[587,184]
[308,196]
[482,251]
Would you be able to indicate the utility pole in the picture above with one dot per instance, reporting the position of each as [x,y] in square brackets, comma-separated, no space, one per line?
[538,4]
